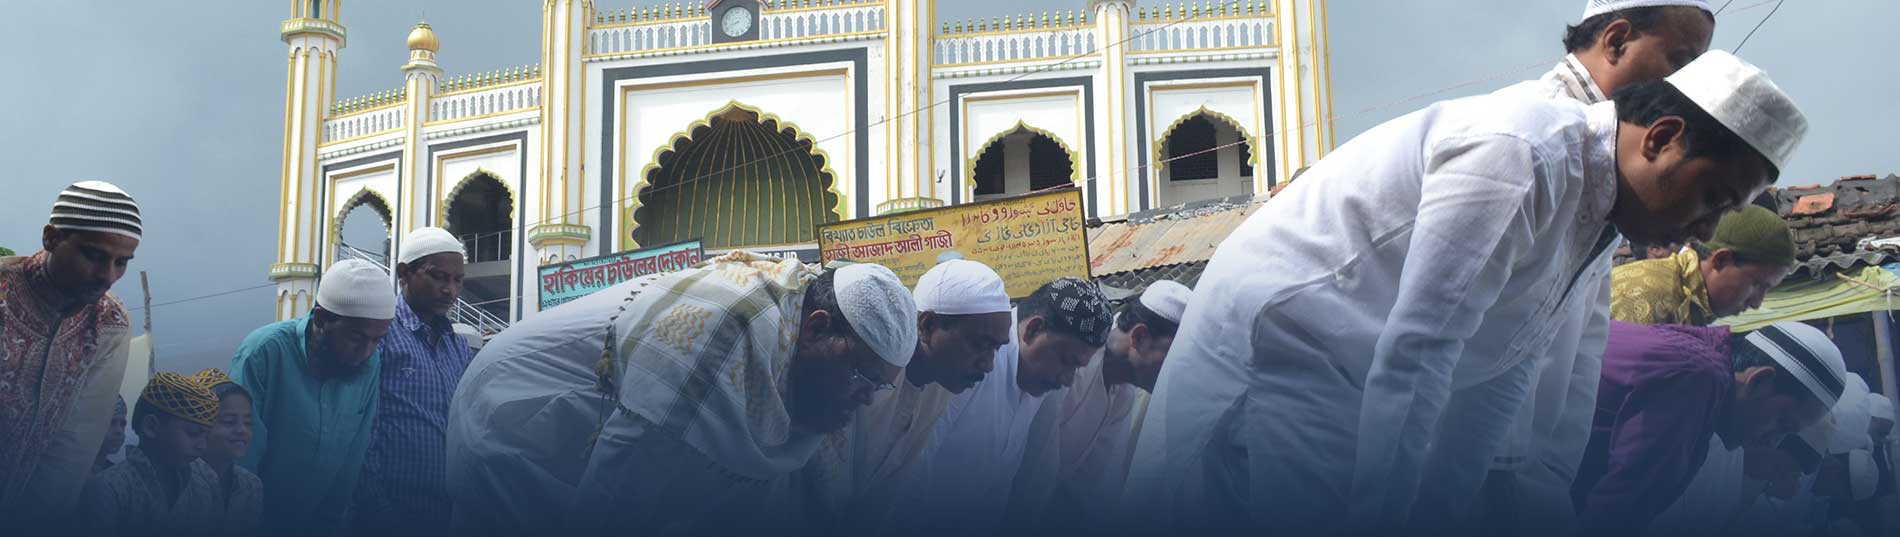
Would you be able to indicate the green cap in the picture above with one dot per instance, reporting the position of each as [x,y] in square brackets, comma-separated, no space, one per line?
[1756,234]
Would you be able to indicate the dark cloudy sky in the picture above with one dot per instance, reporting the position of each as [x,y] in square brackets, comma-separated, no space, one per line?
[180,103]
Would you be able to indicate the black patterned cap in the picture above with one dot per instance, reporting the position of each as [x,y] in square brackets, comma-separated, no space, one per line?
[1080,305]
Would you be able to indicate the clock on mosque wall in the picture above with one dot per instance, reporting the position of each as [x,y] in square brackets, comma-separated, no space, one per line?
[734,20]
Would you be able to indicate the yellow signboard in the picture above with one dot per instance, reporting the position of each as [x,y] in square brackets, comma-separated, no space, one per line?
[1030,240]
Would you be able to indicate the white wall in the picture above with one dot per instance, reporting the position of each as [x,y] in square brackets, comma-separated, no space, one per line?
[1057,112]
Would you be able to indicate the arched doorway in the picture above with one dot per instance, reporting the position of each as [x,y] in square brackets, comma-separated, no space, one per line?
[480,212]
[738,178]
[362,228]
[1203,156]
[1020,161]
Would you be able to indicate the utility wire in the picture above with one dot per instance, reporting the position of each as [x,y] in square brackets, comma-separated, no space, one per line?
[1764,20]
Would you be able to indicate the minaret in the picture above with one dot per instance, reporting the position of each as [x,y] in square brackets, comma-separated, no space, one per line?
[559,229]
[419,80]
[907,129]
[1306,84]
[1111,34]
[314,36]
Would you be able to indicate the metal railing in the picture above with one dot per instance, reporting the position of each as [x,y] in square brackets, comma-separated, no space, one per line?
[463,312]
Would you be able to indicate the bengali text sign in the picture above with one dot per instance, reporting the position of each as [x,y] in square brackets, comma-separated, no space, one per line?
[564,282]
[1030,240]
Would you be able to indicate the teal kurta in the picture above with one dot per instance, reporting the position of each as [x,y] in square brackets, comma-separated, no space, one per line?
[309,435]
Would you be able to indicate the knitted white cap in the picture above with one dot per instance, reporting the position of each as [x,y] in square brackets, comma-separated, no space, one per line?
[961,287]
[97,206]
[428,241]
[357,288]
[1167,299]
[1807,354]
[1599,7]
[880,309]
[1741,97]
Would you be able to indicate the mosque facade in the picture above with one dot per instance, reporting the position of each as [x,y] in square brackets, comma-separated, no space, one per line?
[744,123]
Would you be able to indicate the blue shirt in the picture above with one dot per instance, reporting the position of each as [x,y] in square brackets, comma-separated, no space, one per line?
[403,484]
[309,434]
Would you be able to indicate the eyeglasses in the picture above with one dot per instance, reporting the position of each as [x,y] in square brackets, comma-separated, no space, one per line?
[859,377]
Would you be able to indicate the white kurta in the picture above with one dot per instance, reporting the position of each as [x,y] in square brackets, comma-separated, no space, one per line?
[1394,302]
[1550,432]
[854,480]
[974,453]
[523,416]
[1072,479]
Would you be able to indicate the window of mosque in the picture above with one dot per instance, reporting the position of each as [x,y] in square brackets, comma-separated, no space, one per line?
[481,213]
[365,229]
[736,181]
[1203,158]
[1021,162]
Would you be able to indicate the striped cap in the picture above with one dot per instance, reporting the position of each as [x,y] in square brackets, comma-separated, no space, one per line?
[181,396]
[97,206]
[1807,354]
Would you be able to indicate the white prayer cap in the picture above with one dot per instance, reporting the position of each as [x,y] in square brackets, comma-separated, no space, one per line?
[1167,299]
[357,288]
[469,335]
[97,206]
[1880,406]
[961,287]
[1862,474]
[428,241]
[1744,99]
[879,309]
[1806,353]
[1599,7]
[1851,415]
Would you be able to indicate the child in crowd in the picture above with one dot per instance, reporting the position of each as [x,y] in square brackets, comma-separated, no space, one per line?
[162,488]
[240,492]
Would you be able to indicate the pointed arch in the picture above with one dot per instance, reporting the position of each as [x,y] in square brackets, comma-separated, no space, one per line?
[1160,143]
[493,233]
[818,164]
[363,197]
[969,165]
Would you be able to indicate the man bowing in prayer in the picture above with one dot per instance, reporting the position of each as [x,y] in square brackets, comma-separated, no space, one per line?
[402,491]
[1618,43]
[62,350]
[1072,478]
[963,317]
[313,384]
[677,403]
[978,444]
[1378,323]
[1667,388]
[1750,254]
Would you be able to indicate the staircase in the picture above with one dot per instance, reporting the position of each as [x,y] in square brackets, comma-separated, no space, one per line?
[463,312]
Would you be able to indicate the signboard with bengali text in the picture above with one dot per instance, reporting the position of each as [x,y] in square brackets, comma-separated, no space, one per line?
[563,282]
[1030,240]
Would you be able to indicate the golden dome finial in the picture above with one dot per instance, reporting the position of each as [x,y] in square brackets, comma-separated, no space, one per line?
[423,38]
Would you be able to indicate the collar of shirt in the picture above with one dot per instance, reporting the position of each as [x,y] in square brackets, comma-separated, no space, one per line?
[1600,163]
[1577,81]
[408,319]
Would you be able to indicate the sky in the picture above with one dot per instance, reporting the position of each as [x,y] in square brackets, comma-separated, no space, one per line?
[181,104]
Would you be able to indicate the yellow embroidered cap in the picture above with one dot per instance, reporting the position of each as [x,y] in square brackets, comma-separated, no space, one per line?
[181,396]
[212,378]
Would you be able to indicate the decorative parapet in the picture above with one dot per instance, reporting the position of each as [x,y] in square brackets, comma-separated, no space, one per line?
[904,205]
[481,81]
[357,125]
[355,105]
[1204,26]
[295,27]
[293,271]
[1022,38]
[545,234]
[675,27]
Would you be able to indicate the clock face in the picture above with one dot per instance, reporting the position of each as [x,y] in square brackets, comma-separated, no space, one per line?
[736,22]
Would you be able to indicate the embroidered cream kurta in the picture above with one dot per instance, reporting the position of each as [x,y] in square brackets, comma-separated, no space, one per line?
[1669,290]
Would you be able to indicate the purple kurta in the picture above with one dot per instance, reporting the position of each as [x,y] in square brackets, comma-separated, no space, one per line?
[1664,389]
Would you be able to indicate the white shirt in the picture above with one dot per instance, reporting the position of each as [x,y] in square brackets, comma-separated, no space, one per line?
[1077,457]
[1547,441]
[1430,254]
[975,451]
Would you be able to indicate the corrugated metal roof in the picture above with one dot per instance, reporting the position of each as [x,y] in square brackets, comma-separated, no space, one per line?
[1173,243]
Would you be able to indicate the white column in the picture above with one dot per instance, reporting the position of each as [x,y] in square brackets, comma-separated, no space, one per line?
[559,231]
[313,39]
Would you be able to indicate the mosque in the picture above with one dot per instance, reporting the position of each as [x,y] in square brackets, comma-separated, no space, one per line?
[743,123]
